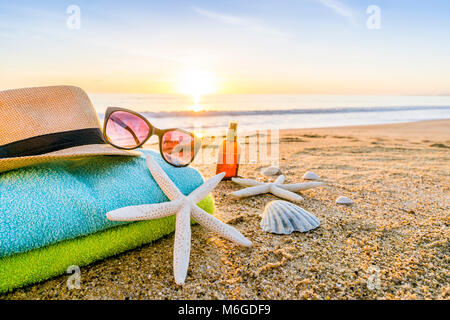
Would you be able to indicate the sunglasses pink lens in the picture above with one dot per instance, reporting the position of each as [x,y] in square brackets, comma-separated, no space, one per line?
[126,130]
[178,148]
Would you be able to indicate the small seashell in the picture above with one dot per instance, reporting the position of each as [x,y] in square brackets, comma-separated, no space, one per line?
[282,217]
[271,171]
[344,200]
[311,176]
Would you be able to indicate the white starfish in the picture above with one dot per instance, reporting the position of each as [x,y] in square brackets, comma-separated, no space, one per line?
[277,188]
[184,207]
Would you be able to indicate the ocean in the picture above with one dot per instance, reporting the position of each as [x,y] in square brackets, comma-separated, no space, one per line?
[212,113]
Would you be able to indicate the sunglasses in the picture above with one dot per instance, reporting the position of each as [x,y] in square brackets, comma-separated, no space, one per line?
[128,130]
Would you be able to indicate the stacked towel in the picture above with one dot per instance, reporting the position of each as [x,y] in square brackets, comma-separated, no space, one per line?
[53,215]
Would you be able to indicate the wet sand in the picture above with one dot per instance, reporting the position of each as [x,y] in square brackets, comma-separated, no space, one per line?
[393,243]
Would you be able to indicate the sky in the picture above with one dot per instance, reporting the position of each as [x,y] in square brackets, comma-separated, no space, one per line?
[228,46]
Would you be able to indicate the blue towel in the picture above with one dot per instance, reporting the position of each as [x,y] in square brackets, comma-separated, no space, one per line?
[49,203]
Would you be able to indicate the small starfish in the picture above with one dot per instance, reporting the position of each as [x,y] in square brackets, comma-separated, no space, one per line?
[277,188]
[184,207]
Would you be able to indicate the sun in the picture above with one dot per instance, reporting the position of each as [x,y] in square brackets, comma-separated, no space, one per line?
[196,107]
[197,83]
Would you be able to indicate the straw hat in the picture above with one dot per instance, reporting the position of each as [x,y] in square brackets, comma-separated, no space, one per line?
[39,125]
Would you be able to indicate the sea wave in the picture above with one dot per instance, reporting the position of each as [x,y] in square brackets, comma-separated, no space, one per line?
[234,113]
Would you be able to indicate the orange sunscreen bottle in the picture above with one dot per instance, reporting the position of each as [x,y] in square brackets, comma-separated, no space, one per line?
[229,154]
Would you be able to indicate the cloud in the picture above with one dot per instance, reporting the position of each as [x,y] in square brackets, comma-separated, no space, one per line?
[243,22]
[340,9]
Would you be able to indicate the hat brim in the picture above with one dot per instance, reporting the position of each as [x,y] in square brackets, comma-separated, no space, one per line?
[65,154]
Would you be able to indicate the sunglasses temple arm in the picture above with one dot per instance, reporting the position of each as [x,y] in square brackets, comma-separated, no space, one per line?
[123,125]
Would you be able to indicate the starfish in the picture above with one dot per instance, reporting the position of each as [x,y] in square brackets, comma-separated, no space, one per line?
[277,188]
[184,207]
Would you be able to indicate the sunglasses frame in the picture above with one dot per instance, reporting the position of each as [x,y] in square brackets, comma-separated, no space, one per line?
[153,131]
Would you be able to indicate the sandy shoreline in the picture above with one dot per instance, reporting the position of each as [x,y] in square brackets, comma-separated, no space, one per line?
[394,238]
[433,130]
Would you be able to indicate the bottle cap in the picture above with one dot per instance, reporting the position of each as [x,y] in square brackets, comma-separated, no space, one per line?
[232,131]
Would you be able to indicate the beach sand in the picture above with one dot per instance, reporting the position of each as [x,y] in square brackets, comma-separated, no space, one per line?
[393,243]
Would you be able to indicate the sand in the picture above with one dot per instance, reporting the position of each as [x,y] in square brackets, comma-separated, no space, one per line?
[393,243]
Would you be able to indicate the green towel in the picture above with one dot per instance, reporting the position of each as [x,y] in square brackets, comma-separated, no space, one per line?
[41,264]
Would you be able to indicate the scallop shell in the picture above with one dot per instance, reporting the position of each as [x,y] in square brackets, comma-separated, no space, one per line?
[281,217]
